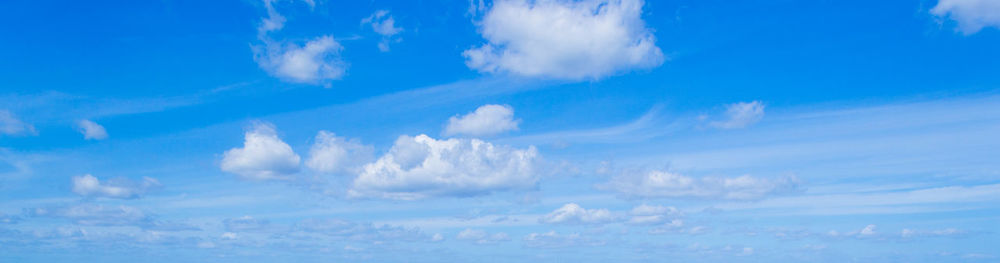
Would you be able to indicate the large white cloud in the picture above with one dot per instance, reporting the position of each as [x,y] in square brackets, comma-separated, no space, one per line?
[11,125]
[420,167]
[564,39]
[263,156]
[971,15]
[333,154]
[574,214]
[92,131]
[488,119]
[741,115]
[122,188]
[662,184]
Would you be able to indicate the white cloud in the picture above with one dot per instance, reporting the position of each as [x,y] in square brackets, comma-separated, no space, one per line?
[101,215]
[122,188]
[655,215]
[971,15]
[552,239]
[741,114]
[92,131]
[574,214]
[383,24]
[263,156]
[587,39]
[361,231]
[11,125]
[481,237]
[487,120]
[661,184]
[910,233]
[314,63]
[420,167]
[867,231]
[333,154]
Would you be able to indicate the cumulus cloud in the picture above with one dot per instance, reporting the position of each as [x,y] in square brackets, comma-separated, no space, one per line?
[564,39]
[662,184]
[740,115]
[263,156]
[11,125]
[92,131]
[420,167]
[384,25]
[315,62]
[121,188]
[333,154]
[970,15]
[481,237]
[655,215]
[487,120]
[574,214]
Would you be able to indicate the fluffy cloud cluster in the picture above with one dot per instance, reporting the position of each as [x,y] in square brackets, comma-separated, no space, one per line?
[574,214]
[121,188]
[263,156]
[11,125]
[315,62]
[564,39]
[481,237]
[92,131]
[383,24]
[740,115]
[971,15]
[420,167]
[333,154]
[487,120]
[661,184]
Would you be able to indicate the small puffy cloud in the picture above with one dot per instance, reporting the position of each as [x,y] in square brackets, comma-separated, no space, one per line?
[562,39]
[92,131]
[263,156]
[481,237]
[574,214]
[420,167]
[867,231]
[333,154]
[661,184]
[121,188]
[487,120]
[971,15]
[384,25]
[552,239]
[315,62]
[11,125]
[740,115]
[655,215]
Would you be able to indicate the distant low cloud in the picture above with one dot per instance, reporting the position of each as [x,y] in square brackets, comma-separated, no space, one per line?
[384,25]
[574,214]
[655,215]
[486,120]
[11,125]
[482,237]
[741,115]
[263,156]
[421,166]
[552,239]
[560,39]
[120,188]
[970,15]
[662,184]
[92,131]
[107,215]
[333,154]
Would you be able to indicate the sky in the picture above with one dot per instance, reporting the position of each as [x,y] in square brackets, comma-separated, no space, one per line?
[500,131]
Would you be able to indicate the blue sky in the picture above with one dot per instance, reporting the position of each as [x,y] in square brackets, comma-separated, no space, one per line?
[499,131]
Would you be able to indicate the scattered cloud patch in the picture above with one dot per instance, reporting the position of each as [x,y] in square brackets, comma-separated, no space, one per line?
[741,115]
[574,214]
[911,233]
[486,120]
[587,39]
[655,215]
[316,62]
[263,156]
[11,125]
[552,239]
[662,184]
[361,231]
[384,25]
[102,215]
[333,154]
[970,15]
[92,131]
[482,237]
[120,188]
[421,166]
